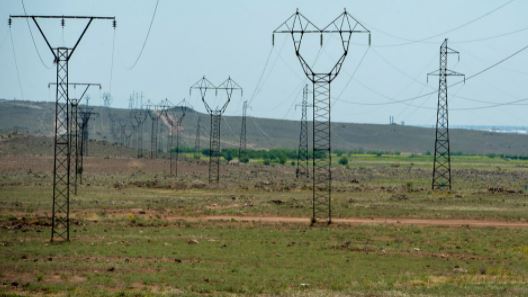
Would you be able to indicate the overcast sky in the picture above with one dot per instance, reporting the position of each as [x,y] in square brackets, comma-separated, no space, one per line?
[220,38]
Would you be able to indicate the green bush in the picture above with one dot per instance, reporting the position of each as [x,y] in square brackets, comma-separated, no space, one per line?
[343,161]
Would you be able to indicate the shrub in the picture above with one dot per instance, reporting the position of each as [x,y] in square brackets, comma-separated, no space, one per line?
[343,161]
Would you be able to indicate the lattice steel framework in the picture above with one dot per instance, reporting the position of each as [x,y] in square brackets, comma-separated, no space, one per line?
[442,150]
[175,125]
[215,112]
[60,220]
[344,26]
[303,154]
[242,148]
[75,129]
[197,138]
[86,114]
[140,116]
[152,112]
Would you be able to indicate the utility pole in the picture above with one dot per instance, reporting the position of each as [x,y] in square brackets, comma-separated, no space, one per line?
[60,220]
[242,149]
[215,113]
[303,154]
[75,127]
[85,114]
[442,150]
[343,26]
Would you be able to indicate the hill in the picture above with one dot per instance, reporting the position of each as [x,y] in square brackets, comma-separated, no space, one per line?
[36,118]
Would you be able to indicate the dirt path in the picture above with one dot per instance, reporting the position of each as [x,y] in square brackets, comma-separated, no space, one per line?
[361,221]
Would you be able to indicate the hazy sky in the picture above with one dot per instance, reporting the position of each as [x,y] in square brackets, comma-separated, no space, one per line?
[221,38]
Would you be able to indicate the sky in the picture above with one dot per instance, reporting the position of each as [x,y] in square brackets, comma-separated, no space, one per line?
[189,39]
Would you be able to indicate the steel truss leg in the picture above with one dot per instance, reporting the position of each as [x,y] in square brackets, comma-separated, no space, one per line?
[322,158]
[60,220]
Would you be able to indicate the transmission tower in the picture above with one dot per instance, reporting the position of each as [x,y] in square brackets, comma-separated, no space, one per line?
[107,99]
[60,220]
[163,108]
[197,138]
[242,149]
[152,112]
[140,116]
[303,154]
[175,125]
[75,127]
[343,26]
[85,115]
[442,151]
[215,112]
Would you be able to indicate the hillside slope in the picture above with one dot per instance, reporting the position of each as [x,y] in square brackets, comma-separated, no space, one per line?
[37,118]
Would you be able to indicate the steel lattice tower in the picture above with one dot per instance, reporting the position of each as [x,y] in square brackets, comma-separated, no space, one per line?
[85,114]
[297,26]
[242,152]
[229,86]
[75,128]
[175,125]
[442,151]
[152,112]
[60,220]
[140,116]
[303,154]
[197,138]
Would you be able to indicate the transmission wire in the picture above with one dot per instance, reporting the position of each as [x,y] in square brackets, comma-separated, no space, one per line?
[146,37]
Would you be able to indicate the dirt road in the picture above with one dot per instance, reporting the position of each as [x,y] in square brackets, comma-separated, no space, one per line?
[361,221]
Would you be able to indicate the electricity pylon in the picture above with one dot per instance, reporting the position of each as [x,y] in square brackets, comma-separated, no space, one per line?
[344,26]
[215,112]
[175,125]
[75,127]
[60,220]
[140,115]
[86,114]
[163,108]
[442,150]
[107,99]
[242,148]
[303,154]
[152,112]
[197,138]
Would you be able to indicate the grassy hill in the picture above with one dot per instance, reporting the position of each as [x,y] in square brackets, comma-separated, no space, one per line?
[36,118]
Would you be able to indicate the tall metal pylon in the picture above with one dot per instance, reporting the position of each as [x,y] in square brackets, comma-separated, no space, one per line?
[303,153]
[215,112]
[344,26]
[442,150]
[75,127]
[242,148]
[175,127]
[140,115]
[197,137]
[152,112]
[85,114]
[163,108]
[60,220]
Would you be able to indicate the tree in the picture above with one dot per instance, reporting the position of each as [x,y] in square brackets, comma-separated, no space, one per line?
[343,161]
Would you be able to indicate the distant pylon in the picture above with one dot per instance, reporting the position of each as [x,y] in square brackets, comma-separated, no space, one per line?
[303,154]
[442,151]
[242,149]
[215,112]
[197,139]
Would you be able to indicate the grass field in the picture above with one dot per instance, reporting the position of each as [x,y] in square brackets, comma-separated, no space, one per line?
[130,236]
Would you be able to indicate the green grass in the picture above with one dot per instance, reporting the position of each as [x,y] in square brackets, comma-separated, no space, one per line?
[253,259]
[116,250]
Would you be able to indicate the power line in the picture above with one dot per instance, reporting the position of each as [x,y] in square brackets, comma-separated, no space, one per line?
[396,101]
[16,64]
[424,39]
[146,37]
[33,39]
